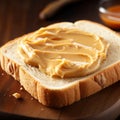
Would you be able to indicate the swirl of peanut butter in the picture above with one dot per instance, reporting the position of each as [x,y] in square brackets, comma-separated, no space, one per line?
[63,52]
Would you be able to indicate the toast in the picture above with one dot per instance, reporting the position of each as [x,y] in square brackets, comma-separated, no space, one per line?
[57,92]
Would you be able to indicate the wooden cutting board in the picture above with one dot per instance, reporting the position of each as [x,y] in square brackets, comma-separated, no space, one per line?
[104,104]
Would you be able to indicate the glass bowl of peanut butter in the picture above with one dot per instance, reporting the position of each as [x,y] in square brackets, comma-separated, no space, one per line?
[109,12]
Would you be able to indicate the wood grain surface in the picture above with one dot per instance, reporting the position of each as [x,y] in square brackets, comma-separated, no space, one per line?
[18,17]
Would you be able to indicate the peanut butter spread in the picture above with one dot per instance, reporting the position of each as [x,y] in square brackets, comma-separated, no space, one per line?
[63,52]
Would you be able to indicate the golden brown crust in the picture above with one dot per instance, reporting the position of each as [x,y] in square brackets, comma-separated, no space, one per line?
[100,80]
[50,97]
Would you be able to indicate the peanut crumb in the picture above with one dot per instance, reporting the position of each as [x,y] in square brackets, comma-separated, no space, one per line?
[16,95]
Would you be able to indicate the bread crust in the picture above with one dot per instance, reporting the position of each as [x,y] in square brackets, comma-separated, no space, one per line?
[62,96]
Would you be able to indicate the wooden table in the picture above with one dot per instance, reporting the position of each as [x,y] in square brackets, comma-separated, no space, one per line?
[18,17]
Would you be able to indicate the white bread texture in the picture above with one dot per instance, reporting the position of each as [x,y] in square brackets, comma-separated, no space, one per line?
[54,92]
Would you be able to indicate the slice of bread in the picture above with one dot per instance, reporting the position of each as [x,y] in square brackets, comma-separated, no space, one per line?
[57,92]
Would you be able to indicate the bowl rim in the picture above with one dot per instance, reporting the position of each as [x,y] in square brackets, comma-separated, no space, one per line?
[105,11]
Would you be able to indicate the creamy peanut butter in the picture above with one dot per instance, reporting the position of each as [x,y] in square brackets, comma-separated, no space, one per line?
[63,52]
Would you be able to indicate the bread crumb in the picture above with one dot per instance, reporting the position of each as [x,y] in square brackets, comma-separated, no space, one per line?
[16,95]
[21,88]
